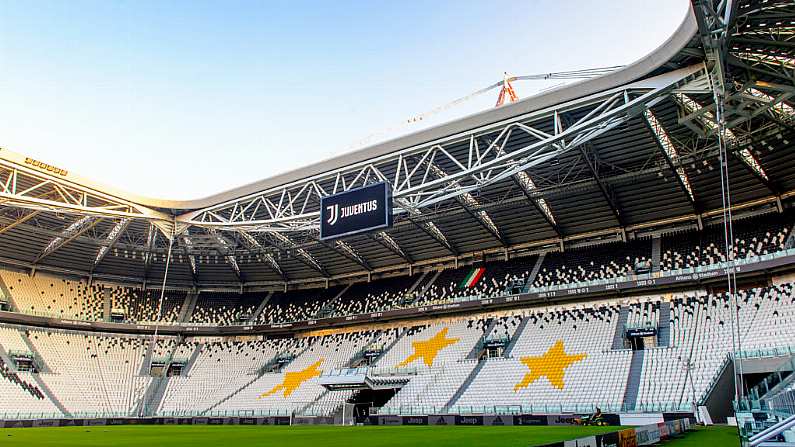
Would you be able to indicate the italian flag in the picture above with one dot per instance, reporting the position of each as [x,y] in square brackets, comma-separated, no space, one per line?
[473,277]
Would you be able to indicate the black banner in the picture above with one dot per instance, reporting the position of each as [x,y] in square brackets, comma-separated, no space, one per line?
[641,332]
[469,420]
[415,420]
[355,211]
[530,419]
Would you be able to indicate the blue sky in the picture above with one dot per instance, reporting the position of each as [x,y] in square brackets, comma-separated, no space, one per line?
[181,99]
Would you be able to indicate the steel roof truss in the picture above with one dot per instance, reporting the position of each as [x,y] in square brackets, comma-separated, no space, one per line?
[293,207]
[110,240]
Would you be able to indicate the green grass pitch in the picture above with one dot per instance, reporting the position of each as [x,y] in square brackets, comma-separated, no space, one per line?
[324,436]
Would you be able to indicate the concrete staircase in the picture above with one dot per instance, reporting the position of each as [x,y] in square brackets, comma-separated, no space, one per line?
[417,283]
[234,393]
[7,294]
[186,311]
[460,391]
[50,395]
[328,308]
[475,352]
[618,338]
[152,398]
[391,345]
[790,243]
[424,287]
[261,306]
[633,381]
[664,325]
[7,360]
[41,364]
[147,363]
[518,333]
[656,253]
[192,359]
[534,272]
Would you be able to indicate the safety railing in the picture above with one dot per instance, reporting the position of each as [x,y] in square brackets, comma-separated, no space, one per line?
[581,408]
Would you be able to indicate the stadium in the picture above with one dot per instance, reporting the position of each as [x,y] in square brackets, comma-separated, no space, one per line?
[608,263]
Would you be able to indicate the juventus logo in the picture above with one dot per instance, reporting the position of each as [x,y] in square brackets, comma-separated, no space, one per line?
[334,213]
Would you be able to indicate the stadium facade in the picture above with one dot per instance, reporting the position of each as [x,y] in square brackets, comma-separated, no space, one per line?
[562,253]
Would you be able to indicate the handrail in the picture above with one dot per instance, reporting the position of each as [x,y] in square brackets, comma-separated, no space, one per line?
[770,432]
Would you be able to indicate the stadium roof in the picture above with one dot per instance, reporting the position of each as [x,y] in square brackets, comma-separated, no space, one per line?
[603,159]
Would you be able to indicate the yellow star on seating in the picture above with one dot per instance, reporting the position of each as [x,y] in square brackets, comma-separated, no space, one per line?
[292,380]
[551,365]
[428,349]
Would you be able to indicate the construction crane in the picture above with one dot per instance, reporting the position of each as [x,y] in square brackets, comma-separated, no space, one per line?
[506,91]
[507,88]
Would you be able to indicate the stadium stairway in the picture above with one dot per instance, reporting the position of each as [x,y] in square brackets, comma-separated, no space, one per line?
[516,335]
[391,345]
[187,307]
[256,376]
[468,381]
[357,358]
[259,309]
[8,295]
[52,397]
[656,250]
[106,304]
[41,364]
[424,288]
[664,325]
[417,283]
[475,353]
[147,363]
[152,398]
[533,273]
[7,360]
[618,338]
[789,244]
[328,307]
[192,359]
[633,381]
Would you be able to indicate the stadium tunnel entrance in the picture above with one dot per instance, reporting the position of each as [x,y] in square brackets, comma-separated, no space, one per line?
[367,398]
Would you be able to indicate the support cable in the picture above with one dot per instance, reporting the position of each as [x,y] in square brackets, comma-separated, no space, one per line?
[159,308]
[728,236]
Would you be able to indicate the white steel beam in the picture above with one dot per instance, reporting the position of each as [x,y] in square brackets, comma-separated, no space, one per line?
[110,240]
[294,206]
[71,232]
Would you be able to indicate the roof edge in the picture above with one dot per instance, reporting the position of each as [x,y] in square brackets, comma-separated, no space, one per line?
[633,72]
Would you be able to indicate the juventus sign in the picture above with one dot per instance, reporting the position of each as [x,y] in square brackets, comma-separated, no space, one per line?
[356,211]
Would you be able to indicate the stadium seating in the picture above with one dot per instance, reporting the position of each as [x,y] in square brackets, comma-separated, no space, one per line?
[20,397]
[141,306]
[220,369]
[701,333]
[225,308]
[271,393]
[559,358]
[593,263]
[753,237]
[43,294]
[296,305]
[550,358]
[376,296]
[493,281]
[596,375]
[47,295]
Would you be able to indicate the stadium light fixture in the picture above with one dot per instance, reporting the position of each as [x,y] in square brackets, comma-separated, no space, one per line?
[71,232]
[692,107]
[668,147]
[111,239]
